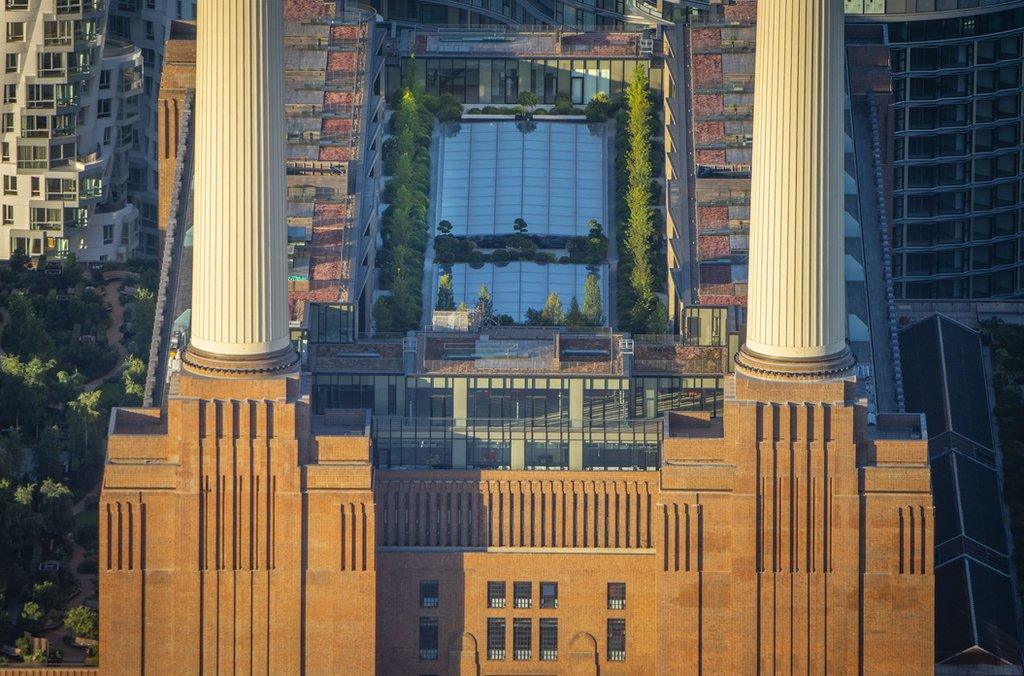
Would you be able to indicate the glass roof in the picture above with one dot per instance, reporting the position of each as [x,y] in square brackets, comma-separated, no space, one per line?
[550,174]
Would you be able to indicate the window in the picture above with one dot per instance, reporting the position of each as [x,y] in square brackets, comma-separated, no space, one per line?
[522,638]
[549,639]
[10,185]
[428,594]
[103,108]
[108,233]
[15,31]
[616,640]
[495,594]
[495,638]
[428,638]
[10,93]
[11,63]
[616,596]
[523,594]
[8,214]
[548,594]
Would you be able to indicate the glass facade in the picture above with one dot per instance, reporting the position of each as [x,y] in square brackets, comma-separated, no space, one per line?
[957,86]
[468,13]
[500,81]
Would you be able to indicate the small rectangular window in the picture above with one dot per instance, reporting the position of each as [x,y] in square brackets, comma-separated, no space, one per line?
[549,639]
[522,638]
[428,638]
[616,640]
[495,594]
[523,593]
[495,638]
[15,31]
[616,596]
[548,594]
[428,594]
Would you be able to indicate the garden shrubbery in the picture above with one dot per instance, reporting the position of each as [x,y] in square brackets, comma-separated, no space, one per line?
[404,224]
[640,308]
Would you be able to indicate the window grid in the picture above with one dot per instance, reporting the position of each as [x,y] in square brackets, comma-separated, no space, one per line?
[428,638]
[495,594]
[429,594]
[548,595]
[616,640]
[522,638]
[495,638]
[616,596]
[549,639]
[523,593]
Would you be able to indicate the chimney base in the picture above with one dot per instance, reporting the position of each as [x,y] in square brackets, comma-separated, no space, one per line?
[204,363]
[833,367]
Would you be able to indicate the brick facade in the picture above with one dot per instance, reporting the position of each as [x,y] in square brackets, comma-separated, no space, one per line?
[240,533]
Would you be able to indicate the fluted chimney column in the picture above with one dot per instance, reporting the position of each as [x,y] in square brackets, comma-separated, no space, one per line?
[796,321]
[239,290]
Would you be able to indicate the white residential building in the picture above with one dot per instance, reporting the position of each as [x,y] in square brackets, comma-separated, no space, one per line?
[70,100]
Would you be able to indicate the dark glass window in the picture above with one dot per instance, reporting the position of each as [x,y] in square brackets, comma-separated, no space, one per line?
[548,594]
[616,595]
[495,594]
[549,639]
[428,594]
[522,638]
[495,638]
[523,593]
[616,640]
[428,638]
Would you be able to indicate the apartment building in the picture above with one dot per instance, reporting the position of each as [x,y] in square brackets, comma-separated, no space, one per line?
[72,96]
[147,25]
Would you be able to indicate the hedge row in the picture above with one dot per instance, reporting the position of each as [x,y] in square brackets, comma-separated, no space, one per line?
[640,267]
[404,229]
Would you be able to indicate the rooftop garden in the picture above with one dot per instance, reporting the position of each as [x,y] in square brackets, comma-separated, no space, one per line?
[520,245]
[404,224]
[641,263]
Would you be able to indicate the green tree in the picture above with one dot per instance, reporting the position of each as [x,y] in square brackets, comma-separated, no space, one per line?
[84,419]
[55,502]
[527,99]
[484,305]
[593,310]
[47,453]
[31,616]
[47,595]
[444,227]
[25,389]
[553,314]
[574,317]
[143,313]
[445,293]
[134,379]
[25,332]
[598,108]
[520,226]
[83,621]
